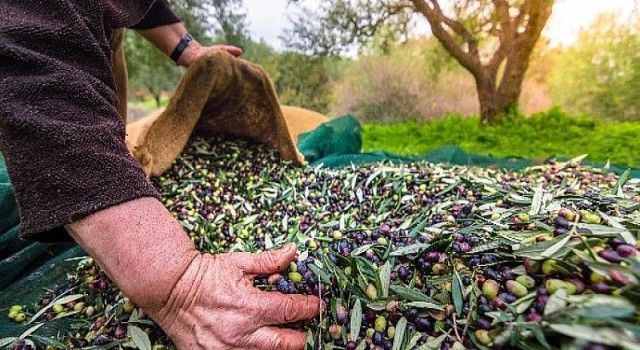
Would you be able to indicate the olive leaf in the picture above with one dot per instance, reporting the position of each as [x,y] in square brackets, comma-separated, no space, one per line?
[411,294]
[401,327]
[7,341]
[424,305]
[139,338]
[30,331]
[410,249]
[320,273]
[456,290]
[361,249]
[434,344]
[556,302]
[604,336]
[356,320]
[60,300]
[47,341]
[310,342]
[412,343]
[549,252]
[536,201]
[385,278]
[622,180]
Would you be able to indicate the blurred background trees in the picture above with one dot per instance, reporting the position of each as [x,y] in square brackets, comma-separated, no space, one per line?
[600,73]
[364,58]
[492,39]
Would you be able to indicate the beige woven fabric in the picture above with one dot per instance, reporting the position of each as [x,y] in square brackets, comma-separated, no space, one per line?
[219,94]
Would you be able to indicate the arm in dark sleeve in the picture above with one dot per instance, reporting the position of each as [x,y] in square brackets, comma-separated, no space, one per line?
[61,136]
[160,14]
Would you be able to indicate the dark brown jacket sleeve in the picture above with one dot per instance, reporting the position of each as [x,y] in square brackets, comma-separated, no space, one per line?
[160,14]
[61,136]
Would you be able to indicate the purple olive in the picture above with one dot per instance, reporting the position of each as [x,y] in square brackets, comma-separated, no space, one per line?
[423,324]
[626,250]
[601,288]
[19,345]
[411,314]
[610,256]
[559,231]
[583,231]
[533,317]
[342,314]
[483,323]
[561,222]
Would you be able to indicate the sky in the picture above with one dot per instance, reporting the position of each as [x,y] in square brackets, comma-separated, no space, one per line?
[268,17]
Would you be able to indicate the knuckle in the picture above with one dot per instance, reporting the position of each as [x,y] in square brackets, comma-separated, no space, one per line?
[310,306]
[290,310]
[276,342]
[270,259]
[269,341]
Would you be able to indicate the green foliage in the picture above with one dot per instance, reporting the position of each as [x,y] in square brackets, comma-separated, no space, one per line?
[338,26]
[600,73]
[417,80]
[548,134]
[231,21]
[302,81]
[151,73]
[299,80]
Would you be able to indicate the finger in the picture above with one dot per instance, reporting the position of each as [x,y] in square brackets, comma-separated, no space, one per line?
[236,51]
[267,263]
[233,50]
[278,308]
[273,338]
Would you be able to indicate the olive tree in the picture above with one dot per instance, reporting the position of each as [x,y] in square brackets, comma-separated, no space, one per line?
[492,39]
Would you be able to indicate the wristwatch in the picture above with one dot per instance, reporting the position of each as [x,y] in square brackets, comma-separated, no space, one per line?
[182,45]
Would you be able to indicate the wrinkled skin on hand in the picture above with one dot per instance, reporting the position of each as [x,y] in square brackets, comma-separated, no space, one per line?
[215,306]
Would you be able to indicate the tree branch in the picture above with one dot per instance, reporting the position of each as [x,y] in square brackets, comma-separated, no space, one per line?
[469,59]
[505,36]
[525,41]
[502,11]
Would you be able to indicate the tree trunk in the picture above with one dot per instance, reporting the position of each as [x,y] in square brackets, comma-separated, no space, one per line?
[492,104]
[495,101]
[517,36]
[489,105]
[156,95]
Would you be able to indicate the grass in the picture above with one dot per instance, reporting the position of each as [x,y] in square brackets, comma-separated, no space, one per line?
[148,104]
[543,135]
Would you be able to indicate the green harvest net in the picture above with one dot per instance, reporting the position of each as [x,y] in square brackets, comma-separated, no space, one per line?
[27,268]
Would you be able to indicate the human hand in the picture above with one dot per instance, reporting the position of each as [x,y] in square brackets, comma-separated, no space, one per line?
[215,306]
[195,50]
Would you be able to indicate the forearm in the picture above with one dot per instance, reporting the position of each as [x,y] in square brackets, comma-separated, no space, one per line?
[166,38]
[145,252]
[140,246]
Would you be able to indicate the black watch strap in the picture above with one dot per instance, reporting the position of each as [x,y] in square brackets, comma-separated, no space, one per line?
[182,45]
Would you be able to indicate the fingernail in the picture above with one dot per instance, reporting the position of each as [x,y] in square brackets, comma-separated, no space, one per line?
[289,247]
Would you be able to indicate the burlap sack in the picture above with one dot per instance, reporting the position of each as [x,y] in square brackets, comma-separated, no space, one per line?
[219,94]
[300,120]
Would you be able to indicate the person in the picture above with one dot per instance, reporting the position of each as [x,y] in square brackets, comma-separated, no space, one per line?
[63,143]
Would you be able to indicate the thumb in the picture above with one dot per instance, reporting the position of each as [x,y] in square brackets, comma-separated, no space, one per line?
[267,263]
